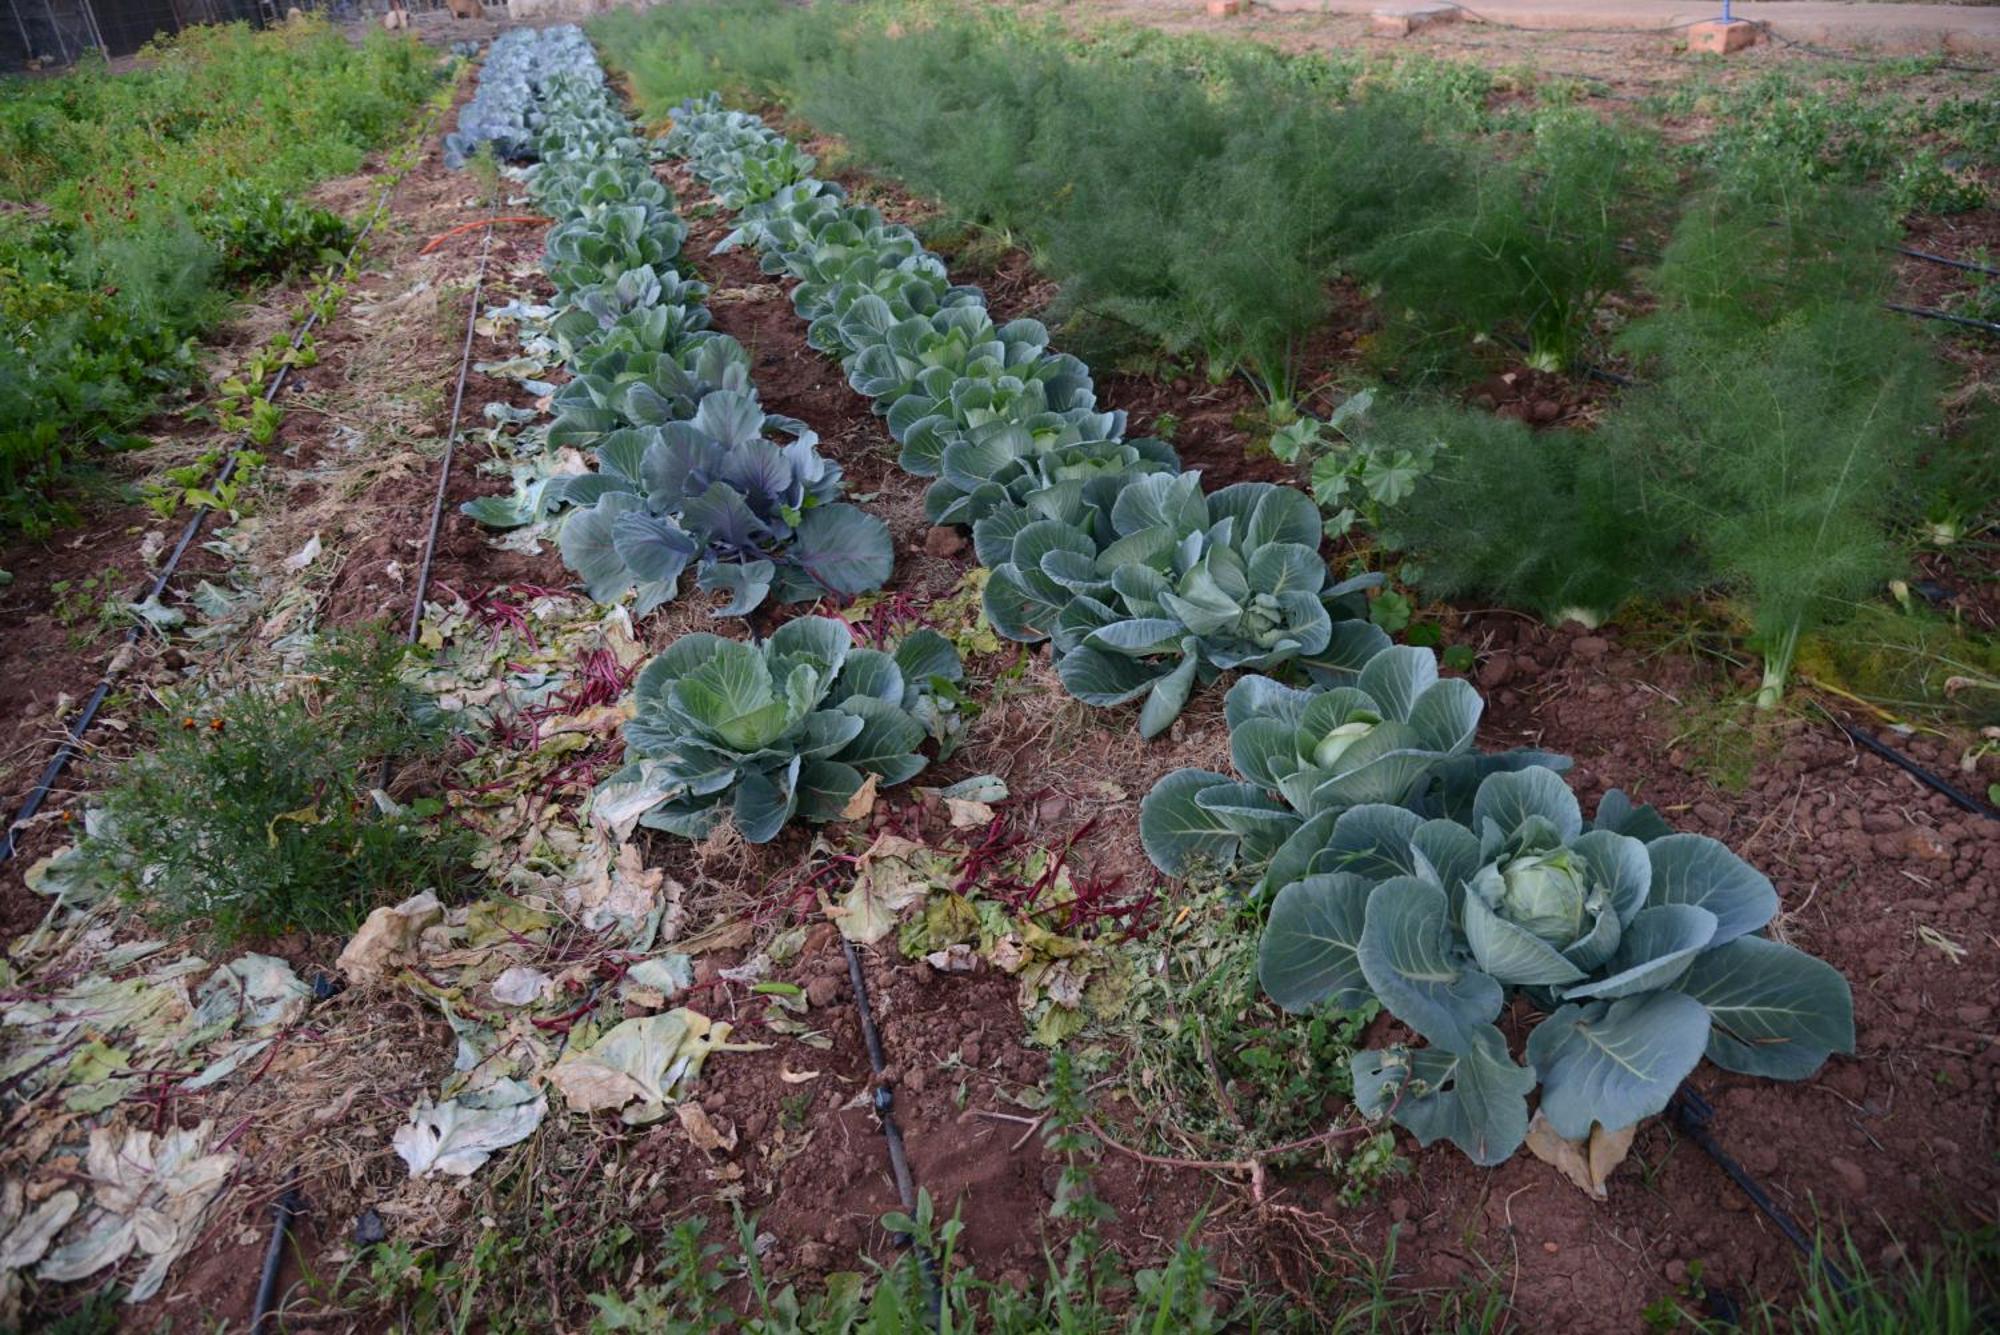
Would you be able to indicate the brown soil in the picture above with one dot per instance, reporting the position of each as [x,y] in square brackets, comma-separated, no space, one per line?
[1895,1142]
[69,660]
[1539,398]
[1898,1142]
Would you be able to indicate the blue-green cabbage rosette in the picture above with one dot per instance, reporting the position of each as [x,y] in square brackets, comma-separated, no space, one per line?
[1644,950]
[789,728]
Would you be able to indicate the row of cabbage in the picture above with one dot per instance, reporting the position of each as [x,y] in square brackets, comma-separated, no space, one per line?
[1400,865]
[691,473]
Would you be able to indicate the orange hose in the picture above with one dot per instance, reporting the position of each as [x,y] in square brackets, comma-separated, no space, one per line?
[442,237]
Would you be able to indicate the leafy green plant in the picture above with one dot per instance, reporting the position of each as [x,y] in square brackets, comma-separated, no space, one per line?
[1926,183]
[1181,588]
[252,812]
[264,233]
[201,485]
[1382,740]
[619,385]
[135,241]
[1357,474]
[596,320]
[792,727]
[90,606]
[1642,947]
[758,519]
[599,246]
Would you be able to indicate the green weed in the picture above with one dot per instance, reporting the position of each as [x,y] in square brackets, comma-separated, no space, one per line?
[1219,1062]
[90,607]
[1953,1291]
[253,813]
[153,195]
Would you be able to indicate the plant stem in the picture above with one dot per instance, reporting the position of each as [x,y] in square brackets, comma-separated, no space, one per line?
[1778,668]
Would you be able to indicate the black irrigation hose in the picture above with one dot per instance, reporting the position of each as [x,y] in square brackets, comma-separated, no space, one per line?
[1692,1114]
[73,740]
[1926,313]
[416,626]
[1959,797]
[289,1206]
[1967,265]
[884,1103]
[451,434]
[884,1098]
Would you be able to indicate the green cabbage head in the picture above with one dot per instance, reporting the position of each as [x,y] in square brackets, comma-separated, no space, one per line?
[1642,950]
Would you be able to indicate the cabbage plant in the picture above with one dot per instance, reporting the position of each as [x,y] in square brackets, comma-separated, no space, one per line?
[910,367]
[582,186]
[1041,469]
[1019,422]
[758,519]
[1181,588]
[597,249]
[839,253]
[616,385]
[1643,950]
[1304,757]
[792,727]
[590,315]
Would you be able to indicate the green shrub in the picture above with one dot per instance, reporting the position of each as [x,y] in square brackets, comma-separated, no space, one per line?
[1192,196]
[253,812]
[1530,244]
[1547,520]
[152,190]
[1784,419]
[265,234]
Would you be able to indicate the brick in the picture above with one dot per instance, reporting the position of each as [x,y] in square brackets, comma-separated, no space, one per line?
[1720,39]
[1402,20]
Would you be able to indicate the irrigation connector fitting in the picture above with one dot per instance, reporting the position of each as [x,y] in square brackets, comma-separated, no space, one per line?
[884,1103]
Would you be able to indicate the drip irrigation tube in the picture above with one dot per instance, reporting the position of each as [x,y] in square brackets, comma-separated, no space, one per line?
[884,1099]
[884,1103]
[1692,1115]
[73,739]
[451,435]
[416,625]
[1926,313]
[289,1205]
[1947,261]
[1959,797]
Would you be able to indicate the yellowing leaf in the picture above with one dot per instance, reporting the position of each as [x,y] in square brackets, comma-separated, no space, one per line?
[968,815]
[303,816]
[863,801]
[388,939]
[1585,1163]
[893,874]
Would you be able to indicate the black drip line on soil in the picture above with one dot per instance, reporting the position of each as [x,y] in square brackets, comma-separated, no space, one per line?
[72,741]
[1958,796]
[884,1103]
[451,433]
[416,625]
[1691,1114]
[289,1206]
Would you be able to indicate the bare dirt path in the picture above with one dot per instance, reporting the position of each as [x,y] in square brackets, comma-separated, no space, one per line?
[1897,28]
